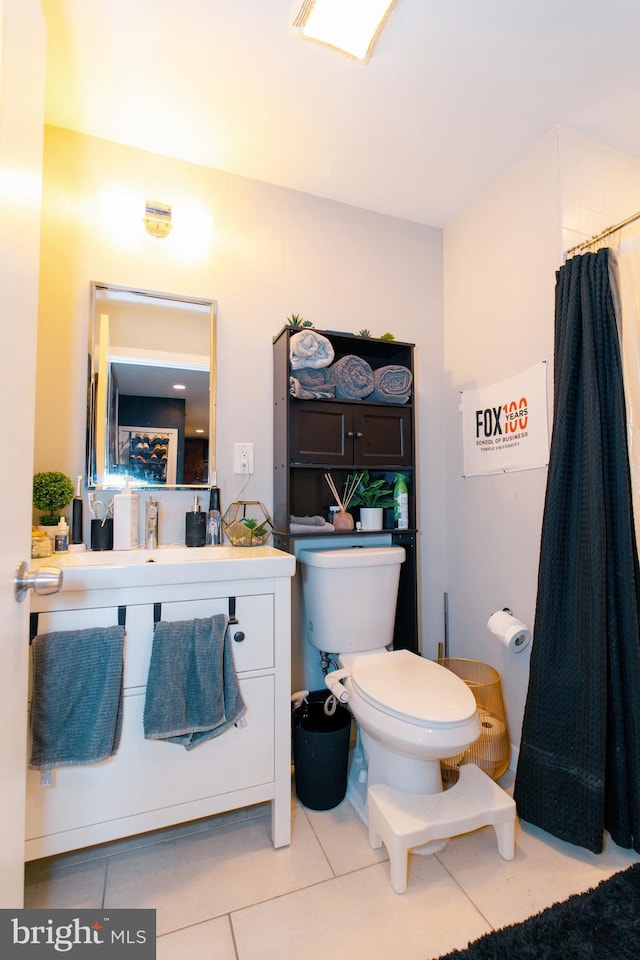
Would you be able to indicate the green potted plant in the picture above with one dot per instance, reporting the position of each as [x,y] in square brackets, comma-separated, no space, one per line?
[297,321]
[52,491]
[372,496]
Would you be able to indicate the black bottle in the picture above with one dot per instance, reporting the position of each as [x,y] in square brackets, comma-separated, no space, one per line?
[196,525]
[76,516]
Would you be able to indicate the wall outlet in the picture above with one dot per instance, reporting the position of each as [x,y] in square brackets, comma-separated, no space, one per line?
[243,458]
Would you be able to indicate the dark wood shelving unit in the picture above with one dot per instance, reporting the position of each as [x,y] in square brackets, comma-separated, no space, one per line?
[312,437]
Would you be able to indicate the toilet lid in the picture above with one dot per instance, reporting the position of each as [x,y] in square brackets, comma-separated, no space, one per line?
[413,688]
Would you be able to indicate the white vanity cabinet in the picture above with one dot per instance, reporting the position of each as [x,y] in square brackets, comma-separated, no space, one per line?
[150,784]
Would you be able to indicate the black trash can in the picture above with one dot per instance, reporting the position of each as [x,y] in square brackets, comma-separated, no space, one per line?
[320,752]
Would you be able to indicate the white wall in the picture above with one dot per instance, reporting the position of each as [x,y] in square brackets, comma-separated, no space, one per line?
[500,261]
[272,252]
[600,187]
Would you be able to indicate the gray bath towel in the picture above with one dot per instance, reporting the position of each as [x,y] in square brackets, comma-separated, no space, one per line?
[76,707]
[392,384]
[354,378]
[313,384]
[192,687]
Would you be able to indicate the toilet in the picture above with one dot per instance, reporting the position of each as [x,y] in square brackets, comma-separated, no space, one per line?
[410,712]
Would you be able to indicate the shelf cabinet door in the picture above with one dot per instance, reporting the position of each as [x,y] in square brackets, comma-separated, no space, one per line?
[321,433]
[351,435]
[382,436]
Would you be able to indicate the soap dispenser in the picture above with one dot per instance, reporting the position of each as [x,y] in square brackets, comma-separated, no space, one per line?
[196,525]
[126,520]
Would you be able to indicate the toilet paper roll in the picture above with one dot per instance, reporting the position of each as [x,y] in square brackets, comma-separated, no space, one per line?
[510,631]
[490,743]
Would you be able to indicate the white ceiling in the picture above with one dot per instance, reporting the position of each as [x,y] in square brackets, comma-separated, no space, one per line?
[454,94]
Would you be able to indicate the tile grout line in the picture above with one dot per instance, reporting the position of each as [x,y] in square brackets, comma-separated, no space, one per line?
[319,841]
[465,894]
[233,936]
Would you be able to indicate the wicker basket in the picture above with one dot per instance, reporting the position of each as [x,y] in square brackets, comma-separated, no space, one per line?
[492,751]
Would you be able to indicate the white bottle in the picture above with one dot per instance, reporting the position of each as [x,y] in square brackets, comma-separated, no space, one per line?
[61,536]
[126,520]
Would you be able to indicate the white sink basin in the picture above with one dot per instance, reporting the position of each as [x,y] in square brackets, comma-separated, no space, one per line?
[109,569]
[170,554]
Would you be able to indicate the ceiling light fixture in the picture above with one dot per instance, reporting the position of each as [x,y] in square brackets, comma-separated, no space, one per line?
[351,26]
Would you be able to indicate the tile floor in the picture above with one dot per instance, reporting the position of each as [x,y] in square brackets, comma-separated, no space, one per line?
[222,892]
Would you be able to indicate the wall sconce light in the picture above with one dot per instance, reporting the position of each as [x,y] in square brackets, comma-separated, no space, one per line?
[157,218]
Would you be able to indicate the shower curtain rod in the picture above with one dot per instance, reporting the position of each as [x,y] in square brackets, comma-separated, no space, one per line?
[605,233]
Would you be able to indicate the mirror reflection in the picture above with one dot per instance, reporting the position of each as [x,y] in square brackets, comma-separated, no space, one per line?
[152,389]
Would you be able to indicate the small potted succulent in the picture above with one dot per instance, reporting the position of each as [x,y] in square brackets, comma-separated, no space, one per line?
[373,497]
[297,321]
[52,491]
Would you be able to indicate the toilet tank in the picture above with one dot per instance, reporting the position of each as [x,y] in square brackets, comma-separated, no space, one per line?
[350,597]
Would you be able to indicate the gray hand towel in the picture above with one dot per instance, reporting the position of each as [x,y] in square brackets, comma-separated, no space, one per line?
[192,687]
[76,708]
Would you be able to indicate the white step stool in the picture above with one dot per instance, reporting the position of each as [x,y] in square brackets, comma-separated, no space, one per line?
[405,820]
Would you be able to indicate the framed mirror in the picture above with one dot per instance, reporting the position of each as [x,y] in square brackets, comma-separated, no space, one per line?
[152,389]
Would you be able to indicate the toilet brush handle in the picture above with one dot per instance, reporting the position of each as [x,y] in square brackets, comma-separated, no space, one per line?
[332,681]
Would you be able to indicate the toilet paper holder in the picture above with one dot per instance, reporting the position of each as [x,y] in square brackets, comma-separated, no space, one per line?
[509,630]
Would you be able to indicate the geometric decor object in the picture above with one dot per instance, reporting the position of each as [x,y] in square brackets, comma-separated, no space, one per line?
[246,523]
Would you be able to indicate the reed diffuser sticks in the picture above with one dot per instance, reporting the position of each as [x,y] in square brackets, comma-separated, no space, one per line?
[351,485]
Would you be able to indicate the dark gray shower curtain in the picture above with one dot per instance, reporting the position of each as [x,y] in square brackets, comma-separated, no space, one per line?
[579,764]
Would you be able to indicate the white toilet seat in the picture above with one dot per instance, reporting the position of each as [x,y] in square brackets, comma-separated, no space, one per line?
[411,688]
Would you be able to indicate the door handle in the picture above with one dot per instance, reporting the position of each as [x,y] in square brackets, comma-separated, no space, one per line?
[44,580]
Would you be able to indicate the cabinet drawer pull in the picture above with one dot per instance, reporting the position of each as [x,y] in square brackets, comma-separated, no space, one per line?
[238,636]
[232,610]
[359,434]
[349,433]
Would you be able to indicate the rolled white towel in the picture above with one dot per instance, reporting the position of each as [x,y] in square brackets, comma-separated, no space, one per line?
[310,349]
